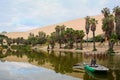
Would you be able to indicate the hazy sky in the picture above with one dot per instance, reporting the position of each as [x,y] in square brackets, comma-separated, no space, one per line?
[23,15]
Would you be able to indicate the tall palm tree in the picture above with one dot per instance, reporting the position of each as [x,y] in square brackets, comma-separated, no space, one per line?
[31,39]
[87,26]
[48,42]
[41,39]
[116,10]
[105,12]
[76,37]
[41,34]
[93,23]
[69,35]
[62,29]
[52,39]
[108,27]
[59,30]
[82,34]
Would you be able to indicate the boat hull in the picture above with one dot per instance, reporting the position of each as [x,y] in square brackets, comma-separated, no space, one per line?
[96,69]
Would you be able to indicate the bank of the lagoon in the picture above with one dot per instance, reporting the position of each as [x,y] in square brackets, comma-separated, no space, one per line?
[101,48]
[58,64]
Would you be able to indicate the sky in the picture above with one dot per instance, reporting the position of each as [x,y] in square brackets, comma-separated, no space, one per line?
[24,15]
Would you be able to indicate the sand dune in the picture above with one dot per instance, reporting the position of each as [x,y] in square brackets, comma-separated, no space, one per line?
[78,24]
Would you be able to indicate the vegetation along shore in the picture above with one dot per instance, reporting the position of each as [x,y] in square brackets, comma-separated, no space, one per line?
[65,38]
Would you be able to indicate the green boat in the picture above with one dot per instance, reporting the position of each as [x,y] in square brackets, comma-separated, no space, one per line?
[96,68]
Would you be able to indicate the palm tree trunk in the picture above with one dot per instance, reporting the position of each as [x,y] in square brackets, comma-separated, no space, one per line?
[94,48]
[81,48]
[48,47]
[60,39]
[111,45]
[76,45]
[60,45]
[87,40]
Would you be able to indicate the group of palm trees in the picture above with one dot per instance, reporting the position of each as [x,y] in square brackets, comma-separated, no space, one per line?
[109,21]
[67,37]
[91,23]
[111,26]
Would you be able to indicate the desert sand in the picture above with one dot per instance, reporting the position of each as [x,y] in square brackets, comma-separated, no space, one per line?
[77,24]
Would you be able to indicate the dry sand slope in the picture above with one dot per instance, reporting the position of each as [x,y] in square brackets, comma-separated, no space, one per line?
[78,24]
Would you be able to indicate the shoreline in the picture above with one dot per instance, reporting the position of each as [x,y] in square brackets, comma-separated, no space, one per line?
[85,50]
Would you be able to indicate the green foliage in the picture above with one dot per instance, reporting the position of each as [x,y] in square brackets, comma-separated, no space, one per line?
[21,47]
[93,23]
[116,12]
[99,38]
[113,38]
[108,28]
[105,11]
[41,38]
[4,46]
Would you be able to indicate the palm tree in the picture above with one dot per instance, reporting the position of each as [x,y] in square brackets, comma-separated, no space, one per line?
[48,42]
[59,30]
[108,22]
[69,36]
[52,39]
[108,28]
[87,26]
[82,34]
[106,12]
[93,23]
[41,39]
[41,34]
[31,39]
[113,39]
[78,37]
[116,10]
[62,29]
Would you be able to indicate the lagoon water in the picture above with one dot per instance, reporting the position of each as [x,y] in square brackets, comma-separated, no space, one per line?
[50,65]
[25,71]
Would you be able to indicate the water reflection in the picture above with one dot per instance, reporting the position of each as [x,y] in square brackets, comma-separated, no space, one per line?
[62,62]
[92,76]
[25,71]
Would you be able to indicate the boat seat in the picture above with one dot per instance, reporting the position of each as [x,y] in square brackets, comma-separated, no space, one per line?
[93,65]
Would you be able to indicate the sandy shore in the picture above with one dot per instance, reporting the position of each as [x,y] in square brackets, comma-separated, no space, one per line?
[101,48]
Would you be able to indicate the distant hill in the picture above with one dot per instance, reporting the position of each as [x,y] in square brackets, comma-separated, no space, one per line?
[77,24]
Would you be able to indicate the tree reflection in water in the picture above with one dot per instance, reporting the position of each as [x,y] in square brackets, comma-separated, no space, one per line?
[62,62]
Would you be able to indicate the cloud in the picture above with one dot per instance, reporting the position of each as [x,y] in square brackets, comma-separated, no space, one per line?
[23,28]
[35,13]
